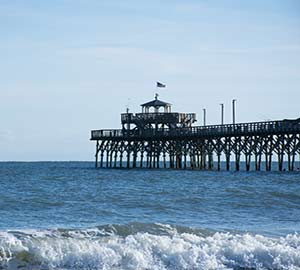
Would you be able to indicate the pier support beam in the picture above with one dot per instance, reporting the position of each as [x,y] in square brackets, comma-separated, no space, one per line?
[96,155]
[192,153]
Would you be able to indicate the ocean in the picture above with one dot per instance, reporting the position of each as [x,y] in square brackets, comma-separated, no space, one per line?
[69,215]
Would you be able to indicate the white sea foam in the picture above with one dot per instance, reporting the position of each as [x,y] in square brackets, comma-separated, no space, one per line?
[93,249]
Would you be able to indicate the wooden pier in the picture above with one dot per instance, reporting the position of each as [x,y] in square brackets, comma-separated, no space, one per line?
[169,140]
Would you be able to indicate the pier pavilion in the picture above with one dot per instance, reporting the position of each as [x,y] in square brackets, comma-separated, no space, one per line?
[160,138]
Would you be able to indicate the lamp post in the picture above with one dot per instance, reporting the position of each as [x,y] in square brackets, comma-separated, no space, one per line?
[204,117]
[222,114]
[233,110]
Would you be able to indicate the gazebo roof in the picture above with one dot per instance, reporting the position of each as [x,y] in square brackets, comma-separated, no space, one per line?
[156,103]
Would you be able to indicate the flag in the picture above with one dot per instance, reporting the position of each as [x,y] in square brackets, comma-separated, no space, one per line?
[158,84]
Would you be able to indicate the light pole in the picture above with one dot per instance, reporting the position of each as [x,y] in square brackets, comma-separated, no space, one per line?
[233,110]
[222,114]
[204,117]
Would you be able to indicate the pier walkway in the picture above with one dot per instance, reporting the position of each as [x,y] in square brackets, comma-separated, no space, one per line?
[241,129]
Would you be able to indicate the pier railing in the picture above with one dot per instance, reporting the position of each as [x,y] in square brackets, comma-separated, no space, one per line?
[254,128]
[158,117]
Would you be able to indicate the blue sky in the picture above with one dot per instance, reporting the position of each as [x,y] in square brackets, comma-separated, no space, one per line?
[69,66]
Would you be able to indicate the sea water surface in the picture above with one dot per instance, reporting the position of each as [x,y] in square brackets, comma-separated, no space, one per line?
[68,215]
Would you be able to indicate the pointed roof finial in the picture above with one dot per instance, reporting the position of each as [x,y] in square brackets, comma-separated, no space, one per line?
[127,105]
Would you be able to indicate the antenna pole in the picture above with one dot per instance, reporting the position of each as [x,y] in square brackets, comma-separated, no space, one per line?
[233,111]
[222,114]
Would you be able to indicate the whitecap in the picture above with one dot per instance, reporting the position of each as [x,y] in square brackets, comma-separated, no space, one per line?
[93,249]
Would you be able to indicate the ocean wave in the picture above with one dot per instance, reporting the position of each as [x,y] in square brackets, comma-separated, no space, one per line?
[146,246]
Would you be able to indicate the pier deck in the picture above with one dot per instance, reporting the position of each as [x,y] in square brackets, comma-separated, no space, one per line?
[197,146]
[241,129]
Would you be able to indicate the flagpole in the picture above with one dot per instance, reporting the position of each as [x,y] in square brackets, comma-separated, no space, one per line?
[155,91]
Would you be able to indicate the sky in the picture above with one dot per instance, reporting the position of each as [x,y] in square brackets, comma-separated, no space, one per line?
[70,66]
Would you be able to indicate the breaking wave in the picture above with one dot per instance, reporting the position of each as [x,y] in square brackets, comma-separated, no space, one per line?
[146,246]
